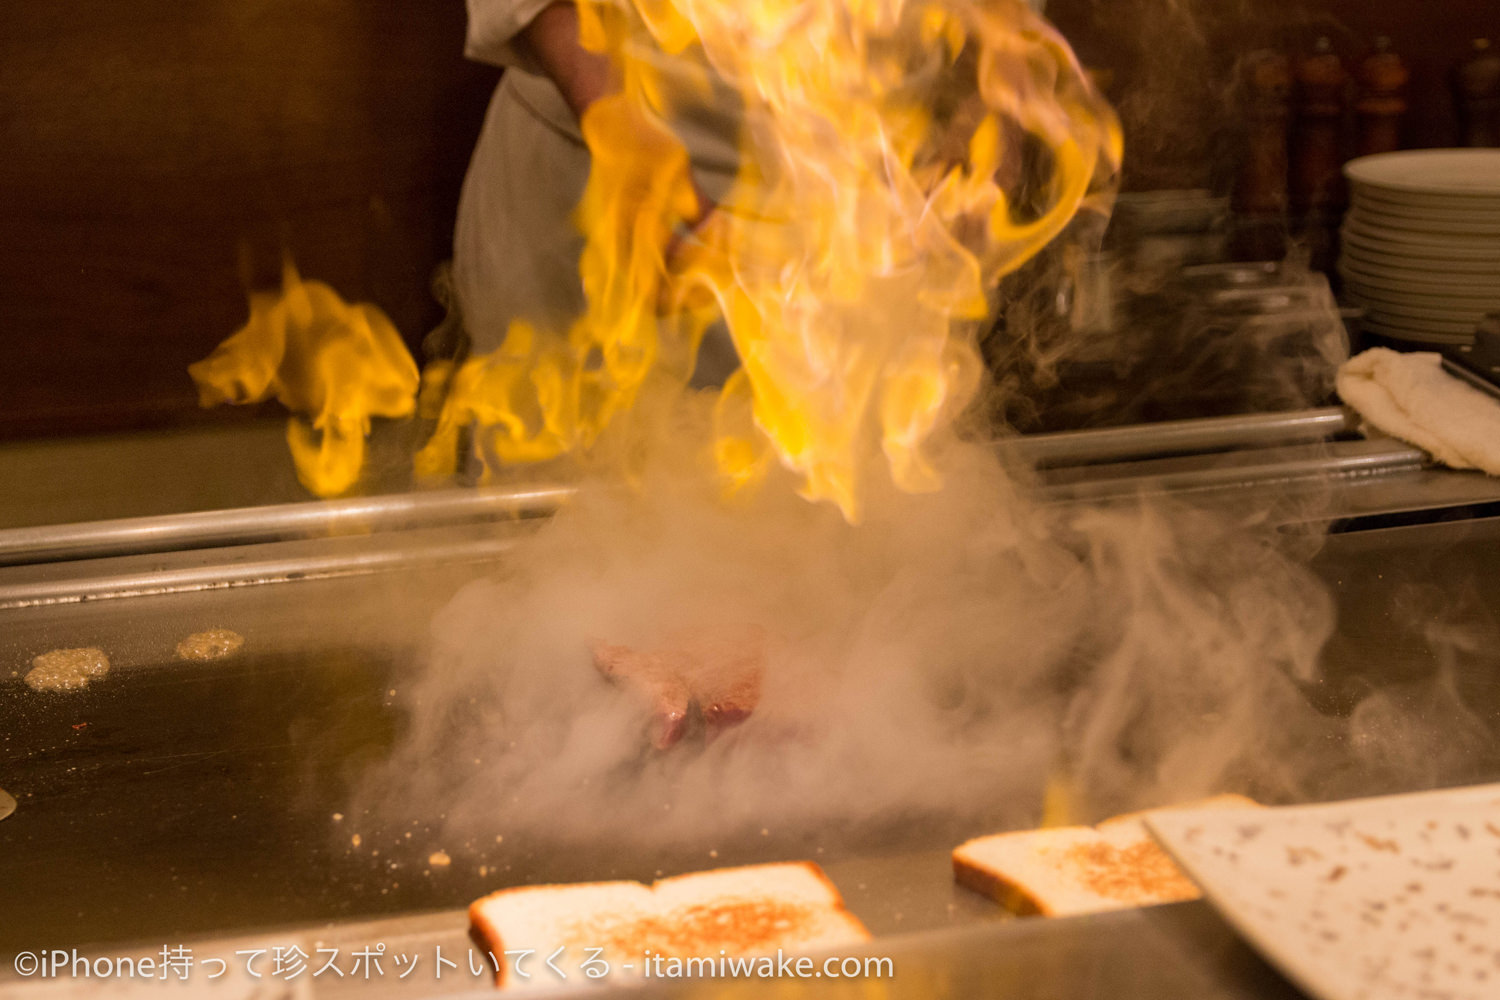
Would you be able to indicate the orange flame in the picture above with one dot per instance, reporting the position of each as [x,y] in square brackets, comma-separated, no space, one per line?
[853,259]
[543,393]
[851,262]
[334,365]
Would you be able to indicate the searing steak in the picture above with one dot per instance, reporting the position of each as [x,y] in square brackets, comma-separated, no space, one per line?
[718,671]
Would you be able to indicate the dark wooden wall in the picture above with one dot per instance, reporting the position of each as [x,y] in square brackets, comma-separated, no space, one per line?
[149,147]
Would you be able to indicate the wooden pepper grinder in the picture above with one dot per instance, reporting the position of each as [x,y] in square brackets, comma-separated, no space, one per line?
[1260,191]
[1317,179]
[1476,91]
[1382,100]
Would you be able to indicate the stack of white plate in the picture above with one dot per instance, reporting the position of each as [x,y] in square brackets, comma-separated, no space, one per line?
[1421,242]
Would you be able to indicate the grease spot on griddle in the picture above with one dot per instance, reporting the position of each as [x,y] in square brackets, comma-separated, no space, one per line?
[67,669]
[211,644]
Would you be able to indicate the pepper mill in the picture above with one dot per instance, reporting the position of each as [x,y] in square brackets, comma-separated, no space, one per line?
[1317,155]
[1476,92]
[1260,191]
[1382,100]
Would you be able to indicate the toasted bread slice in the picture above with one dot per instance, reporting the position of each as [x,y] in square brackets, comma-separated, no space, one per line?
[1072,870]
[753,910]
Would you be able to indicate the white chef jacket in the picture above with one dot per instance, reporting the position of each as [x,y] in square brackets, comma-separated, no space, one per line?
[516,248]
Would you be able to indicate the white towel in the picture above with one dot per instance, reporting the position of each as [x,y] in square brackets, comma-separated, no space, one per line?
[1409,396]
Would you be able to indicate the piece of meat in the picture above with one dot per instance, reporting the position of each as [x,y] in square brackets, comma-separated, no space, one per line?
[718,670]
[660,678]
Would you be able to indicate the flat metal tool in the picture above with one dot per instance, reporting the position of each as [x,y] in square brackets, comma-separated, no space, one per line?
[1478,363]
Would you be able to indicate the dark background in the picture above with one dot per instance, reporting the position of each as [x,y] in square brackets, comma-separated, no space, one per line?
[157,156]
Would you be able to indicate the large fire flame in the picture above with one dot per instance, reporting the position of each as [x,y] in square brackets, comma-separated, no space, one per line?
[853,258]
[851,289]
[333,364]
[898,158]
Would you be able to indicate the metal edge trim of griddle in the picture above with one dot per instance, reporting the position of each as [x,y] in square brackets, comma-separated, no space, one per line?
[280,522]
[248,566]
[1180,437]
[249,525]
[1331,462]
[1245,475]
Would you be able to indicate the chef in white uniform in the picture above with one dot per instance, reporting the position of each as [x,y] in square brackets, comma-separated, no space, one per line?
[516,248]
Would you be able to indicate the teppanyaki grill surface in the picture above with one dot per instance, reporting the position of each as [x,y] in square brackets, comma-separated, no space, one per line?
[187,798]
[178,800]
[174,801]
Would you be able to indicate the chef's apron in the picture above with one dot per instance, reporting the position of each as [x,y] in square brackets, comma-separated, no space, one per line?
[516,246]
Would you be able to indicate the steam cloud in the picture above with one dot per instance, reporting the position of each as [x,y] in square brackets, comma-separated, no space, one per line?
[935,666]
[938,665]
[931,672]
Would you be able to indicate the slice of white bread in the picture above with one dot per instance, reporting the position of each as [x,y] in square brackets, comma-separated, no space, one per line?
[753,910]
[1072,870]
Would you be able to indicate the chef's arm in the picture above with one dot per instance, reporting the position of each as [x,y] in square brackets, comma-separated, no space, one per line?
[551,39]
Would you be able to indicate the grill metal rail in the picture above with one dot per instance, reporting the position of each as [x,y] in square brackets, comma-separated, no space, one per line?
[1302,466]
[365,515]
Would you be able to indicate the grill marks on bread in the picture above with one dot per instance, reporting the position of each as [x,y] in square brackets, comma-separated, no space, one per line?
[737,926]
[1135,873]
[1071,870]
[747,911]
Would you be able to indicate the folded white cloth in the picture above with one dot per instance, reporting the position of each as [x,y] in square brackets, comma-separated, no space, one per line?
[1409,396]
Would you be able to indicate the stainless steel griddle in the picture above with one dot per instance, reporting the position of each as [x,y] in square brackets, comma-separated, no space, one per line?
[194,803]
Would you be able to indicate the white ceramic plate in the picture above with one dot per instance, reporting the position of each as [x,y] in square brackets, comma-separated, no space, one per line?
[1451,249]
[1380,199]
[1415,336]
[1420,258]
[1396,319]
[1400,294]
[1372,899]
[1475,224]
[1358,269]
[1395,326]
[1427,297]
[1473,172]
[1426,237]
[1462,326]
[1426,225]
[1458,246]
[1446,310]
[1377,260]
[1456,321]
[1442,296]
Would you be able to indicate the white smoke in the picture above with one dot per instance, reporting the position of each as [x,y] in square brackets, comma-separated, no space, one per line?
[942,661]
